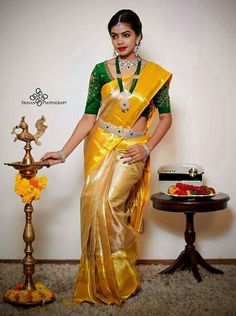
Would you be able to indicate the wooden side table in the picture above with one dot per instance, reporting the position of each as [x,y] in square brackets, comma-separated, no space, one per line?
[189,257]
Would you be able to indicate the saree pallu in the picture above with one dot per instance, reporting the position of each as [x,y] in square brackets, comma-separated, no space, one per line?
[114,196]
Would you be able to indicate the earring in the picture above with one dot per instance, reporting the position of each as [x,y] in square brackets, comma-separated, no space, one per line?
[115,53]
[136,48]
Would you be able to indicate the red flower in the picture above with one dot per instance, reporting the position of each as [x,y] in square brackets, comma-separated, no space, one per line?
[34,182]
[30,297]
[18,287]
[181,192]
[17,297]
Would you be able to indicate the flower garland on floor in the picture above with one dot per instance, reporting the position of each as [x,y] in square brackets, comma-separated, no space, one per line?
[19,295]
[29,190]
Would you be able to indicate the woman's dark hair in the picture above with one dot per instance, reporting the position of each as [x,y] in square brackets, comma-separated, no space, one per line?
[129,17]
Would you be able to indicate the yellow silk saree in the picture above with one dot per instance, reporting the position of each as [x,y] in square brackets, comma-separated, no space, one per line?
[114,195]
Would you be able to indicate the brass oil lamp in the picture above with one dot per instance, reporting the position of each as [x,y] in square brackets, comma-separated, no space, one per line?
[28,169]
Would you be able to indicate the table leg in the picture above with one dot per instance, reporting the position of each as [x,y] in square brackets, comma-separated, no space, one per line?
[189,257]
[194,267]
[206,265]
[175,265]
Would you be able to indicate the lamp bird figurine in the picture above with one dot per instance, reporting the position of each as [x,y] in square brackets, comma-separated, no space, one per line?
[28,167]
[25,136]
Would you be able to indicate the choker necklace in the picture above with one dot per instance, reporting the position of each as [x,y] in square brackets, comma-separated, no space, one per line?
[128,64]
[124,102]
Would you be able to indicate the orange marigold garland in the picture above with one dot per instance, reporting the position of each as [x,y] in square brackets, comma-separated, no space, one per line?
[19,295]
[30,190]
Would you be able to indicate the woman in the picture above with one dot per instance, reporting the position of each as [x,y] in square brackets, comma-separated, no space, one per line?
[125,91]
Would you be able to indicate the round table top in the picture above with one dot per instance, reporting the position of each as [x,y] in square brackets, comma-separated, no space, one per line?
[165,202]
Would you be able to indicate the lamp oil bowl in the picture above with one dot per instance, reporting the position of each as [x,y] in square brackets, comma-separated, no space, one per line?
[27,171]
[28,294]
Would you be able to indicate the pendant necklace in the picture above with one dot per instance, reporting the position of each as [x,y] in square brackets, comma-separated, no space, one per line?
[124,102]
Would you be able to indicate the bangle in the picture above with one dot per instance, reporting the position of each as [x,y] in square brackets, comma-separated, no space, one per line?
[62,155]
[147,150]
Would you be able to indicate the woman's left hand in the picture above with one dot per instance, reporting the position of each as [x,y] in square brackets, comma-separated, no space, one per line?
[134,153]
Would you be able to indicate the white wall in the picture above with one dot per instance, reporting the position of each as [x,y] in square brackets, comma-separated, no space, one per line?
[54,45]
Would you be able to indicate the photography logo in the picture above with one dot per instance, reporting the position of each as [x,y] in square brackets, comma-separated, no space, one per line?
[39,98]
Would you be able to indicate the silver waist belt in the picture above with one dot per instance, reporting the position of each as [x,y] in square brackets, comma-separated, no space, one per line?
[118,130]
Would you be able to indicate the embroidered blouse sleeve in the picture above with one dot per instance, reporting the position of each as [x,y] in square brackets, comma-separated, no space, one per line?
[162,100]
[94,93]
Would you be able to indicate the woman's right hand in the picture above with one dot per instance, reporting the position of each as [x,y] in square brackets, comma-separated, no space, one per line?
[52,158]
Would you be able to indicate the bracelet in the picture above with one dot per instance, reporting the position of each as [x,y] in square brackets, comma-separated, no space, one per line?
[147,150]
[62,156]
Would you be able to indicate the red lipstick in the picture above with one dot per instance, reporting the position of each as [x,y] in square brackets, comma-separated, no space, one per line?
[122,48]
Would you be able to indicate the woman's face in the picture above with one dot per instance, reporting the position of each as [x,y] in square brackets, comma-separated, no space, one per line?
[124,39]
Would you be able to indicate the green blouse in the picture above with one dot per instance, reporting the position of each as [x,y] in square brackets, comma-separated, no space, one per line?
[101,75]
